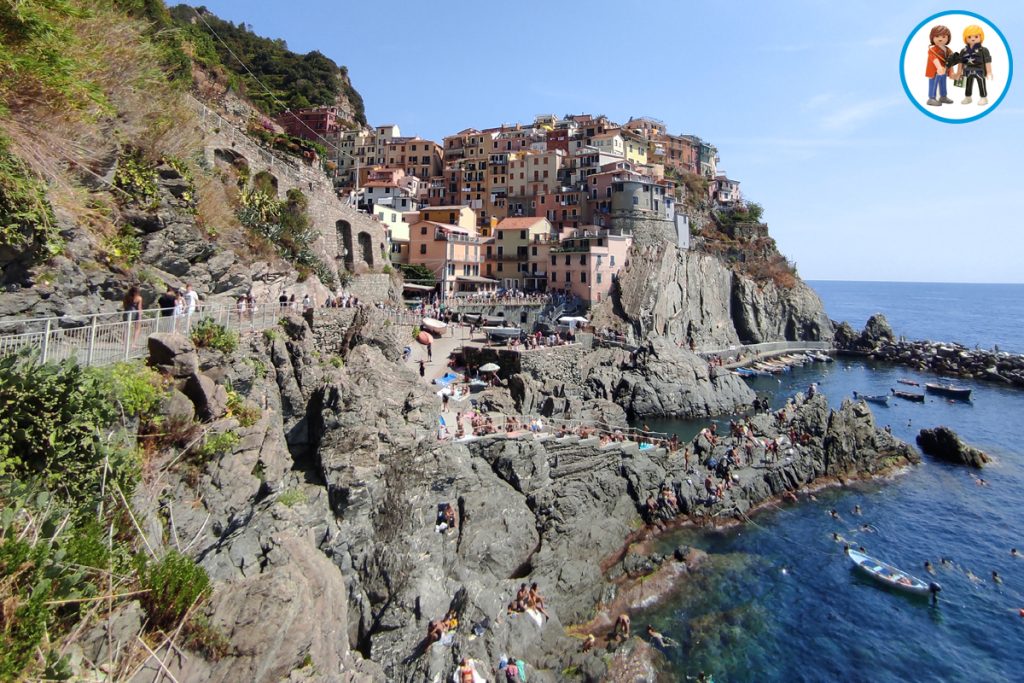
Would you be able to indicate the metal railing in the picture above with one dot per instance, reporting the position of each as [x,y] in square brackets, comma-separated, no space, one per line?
[105,338]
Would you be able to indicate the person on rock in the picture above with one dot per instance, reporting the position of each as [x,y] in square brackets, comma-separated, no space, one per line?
[660,639]
[435,629]
[588,643]
[622,627]
[519,603]
[423,369]
[450,518]
[467,673]
[535,600]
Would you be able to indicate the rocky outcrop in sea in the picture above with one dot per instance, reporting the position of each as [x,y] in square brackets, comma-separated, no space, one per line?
[945,358]
[943,443]
[318,525]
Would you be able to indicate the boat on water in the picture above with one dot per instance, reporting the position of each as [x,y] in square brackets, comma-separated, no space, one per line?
[890,576]
[503,332]
[819,357]
[909,382]
[434,326]
[949,390]
[908,396]
[881,399]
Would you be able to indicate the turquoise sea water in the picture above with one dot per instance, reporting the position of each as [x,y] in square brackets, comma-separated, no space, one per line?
[780,601]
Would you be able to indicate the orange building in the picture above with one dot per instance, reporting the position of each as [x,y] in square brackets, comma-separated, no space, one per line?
[452,253]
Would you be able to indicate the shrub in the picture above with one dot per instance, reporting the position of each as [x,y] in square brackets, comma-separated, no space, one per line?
[26,217]
[174,584]
[215,446]
[246,413]
[123,247]
[292,497]
[212,335]
[337,361]
[203,637]
[136,178]
[56,418]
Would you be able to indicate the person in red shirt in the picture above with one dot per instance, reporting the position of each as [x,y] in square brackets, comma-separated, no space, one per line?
[936,71]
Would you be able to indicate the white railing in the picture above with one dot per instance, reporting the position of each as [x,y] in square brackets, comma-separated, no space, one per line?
[104,338]
[766,348]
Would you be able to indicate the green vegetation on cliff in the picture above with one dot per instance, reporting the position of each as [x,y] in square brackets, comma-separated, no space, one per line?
[71,549]
[296,80]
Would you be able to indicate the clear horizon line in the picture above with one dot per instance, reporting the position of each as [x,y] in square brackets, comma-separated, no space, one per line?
[911,282]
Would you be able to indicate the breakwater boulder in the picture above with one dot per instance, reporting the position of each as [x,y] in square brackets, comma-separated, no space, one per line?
[944,358]
[943,443]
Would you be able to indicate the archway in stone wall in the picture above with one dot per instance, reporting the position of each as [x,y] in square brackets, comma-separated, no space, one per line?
[366,248]
[229,159]
[347,251]
[266,182]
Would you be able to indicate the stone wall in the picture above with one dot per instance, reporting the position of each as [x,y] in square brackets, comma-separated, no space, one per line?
[349,239]
[371,288]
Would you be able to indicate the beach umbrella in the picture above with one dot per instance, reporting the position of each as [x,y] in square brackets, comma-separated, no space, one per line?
[490,367]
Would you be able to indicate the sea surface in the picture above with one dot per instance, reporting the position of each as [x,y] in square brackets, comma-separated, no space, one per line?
[971,314]
[780,602]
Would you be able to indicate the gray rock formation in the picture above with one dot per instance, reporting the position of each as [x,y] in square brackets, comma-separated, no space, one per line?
[943,443]
[685,295]
[173,354]
[659,379]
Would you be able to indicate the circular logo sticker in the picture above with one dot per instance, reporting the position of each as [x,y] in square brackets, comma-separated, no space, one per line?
[956,66]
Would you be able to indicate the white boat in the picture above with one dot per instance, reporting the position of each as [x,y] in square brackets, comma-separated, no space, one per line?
[890,576]
[435,327]
[502,332]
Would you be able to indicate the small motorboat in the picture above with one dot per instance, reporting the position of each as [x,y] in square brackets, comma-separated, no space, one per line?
[503,332]
[908,396]
[890,576]
[880,399]
[909,382]
[493,320]
[949,390]
[434,326]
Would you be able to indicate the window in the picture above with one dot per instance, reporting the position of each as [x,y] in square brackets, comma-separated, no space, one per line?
[568,276]
[612,262]
[553,259]
[500,266]
[423,230]
[534,251]
[599,278]
[522,234]
[567,257]
[583,276]
[554,276]
[636,200]
[423,249]
[583,259]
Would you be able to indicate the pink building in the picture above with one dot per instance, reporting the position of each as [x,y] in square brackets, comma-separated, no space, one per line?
[587,262]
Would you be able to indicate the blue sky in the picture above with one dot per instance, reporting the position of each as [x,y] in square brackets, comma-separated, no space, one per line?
[802,98]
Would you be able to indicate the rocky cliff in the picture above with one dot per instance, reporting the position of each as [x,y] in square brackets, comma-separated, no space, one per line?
[686,294]
[318,525]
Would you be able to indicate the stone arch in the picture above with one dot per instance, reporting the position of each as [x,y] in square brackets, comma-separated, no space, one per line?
[229,158]
[366,248]
[347,250]
[266,181]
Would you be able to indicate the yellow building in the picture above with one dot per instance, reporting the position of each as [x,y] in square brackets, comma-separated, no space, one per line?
[514,248]
[634,147]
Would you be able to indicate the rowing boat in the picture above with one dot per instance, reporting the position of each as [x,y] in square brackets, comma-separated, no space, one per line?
[890,576]
[908,382]
[949,390]
[908,396]
[881,399]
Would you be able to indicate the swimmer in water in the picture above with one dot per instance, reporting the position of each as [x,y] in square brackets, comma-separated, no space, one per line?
[785,571]
[834,513]
[1014,553]
[856,509]
[995,577]
[971,576]
[867,528]
[928,567]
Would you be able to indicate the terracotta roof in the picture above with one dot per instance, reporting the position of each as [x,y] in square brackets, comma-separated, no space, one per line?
[446,226]
[519,222]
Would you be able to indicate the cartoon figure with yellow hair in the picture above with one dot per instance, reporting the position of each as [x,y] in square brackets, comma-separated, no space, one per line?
[975,63]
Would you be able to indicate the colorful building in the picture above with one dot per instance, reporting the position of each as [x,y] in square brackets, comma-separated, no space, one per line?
[452,253]
[513,255]
[587,262]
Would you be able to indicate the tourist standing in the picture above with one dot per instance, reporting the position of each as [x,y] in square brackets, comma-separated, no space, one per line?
[167,301]
[132,306]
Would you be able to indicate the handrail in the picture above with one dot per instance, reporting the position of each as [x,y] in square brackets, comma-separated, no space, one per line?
[110,337]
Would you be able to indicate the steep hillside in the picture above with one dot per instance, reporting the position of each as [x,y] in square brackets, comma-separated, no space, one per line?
[296,80]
